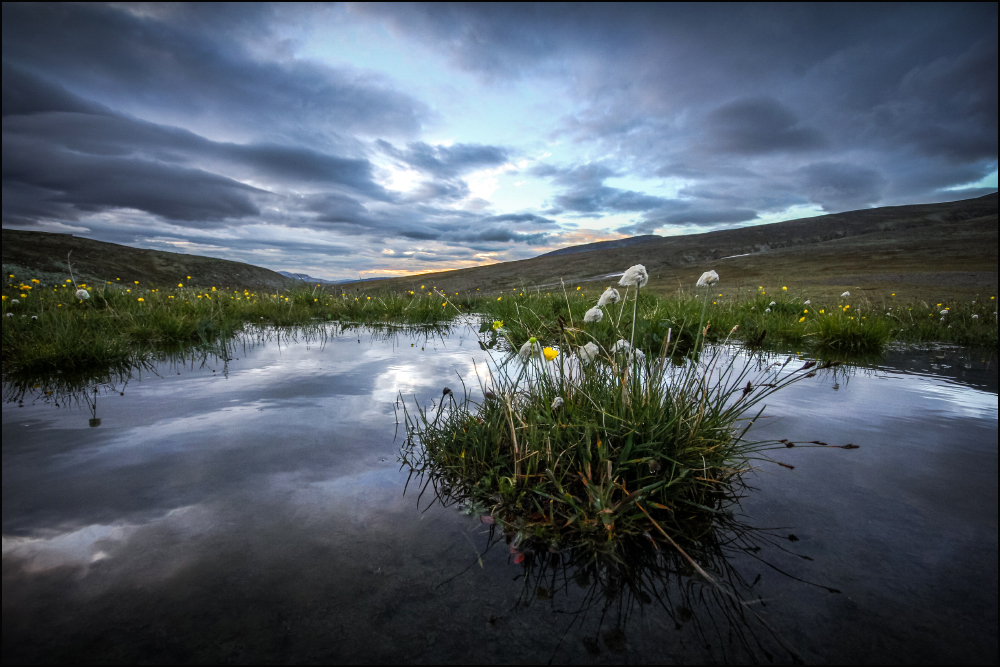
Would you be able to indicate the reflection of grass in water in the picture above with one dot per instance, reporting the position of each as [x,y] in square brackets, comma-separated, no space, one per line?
[722,615]
[78,384]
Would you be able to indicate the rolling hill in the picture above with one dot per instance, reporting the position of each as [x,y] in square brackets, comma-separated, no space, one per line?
[918,251]
[43,255]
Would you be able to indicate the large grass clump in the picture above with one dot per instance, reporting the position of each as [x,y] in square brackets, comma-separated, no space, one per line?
[587,443]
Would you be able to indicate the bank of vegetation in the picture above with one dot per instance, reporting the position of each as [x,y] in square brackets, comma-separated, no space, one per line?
[48,327]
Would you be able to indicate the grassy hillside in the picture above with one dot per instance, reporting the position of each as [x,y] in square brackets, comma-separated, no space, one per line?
[42,255]
[925,251]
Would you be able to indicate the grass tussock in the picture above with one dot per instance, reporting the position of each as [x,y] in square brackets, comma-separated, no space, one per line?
[587,444]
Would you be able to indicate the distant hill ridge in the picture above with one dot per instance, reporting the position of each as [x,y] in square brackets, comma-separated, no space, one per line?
[950,246]
[43,255]
[759,238]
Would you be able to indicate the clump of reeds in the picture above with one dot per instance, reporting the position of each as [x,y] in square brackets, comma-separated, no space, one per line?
[584,443]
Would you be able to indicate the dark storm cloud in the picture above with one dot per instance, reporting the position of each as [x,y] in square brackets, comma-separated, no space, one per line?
[838,186]
[64,179]
[178,62]
[759,125]
[584,190]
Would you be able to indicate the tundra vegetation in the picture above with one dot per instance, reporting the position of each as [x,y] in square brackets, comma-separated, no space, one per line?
[584,440]
[47,328]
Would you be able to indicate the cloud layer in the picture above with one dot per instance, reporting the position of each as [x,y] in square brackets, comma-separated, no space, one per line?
[227,130]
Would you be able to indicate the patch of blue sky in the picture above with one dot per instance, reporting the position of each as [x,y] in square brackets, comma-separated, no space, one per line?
[987,181]
[465,109]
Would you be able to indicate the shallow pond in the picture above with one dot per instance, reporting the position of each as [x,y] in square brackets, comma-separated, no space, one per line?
[254,511]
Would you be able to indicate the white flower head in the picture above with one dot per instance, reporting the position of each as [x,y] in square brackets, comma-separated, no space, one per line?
[531,348]
[595,314]
[621,346]
[15,301]
[35,317]
[707,279]
[10,314]
[944,312]
[807,302]
[557,402]
[636,276]
[610,295]
[767,310]
[588,352]
[771,304]
[845,295]
[82,294]
[975,317]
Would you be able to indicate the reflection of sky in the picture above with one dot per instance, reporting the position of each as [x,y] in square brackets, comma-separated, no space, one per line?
[294,453]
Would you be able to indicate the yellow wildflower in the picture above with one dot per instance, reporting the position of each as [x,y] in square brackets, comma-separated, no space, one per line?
[496,323]
[550,354]
[35,280]
[140,299]
[802,319]
[784,289]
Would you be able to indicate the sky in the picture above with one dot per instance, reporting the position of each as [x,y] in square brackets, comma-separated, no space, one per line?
[348,141]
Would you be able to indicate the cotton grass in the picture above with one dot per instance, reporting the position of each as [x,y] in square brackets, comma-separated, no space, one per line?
[588,454]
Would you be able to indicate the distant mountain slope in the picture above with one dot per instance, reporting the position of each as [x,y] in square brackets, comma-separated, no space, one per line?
[951,244]
[603,245]
[43,255]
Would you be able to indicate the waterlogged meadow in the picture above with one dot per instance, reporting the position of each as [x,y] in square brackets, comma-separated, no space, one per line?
[69,327]
[248,504]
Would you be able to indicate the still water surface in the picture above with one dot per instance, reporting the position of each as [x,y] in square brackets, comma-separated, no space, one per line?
[254,511]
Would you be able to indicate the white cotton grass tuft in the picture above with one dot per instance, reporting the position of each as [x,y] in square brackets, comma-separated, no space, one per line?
[636,276]
[621,346]
[975,317]
[610,295]
[15,301]
[588,352]
[557,402]
[707,279]
[595,314]
[531,348]
[772,303]
[10,314]
[767,310]
[808,302]
[944,312]
[82,294]
[845,295]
